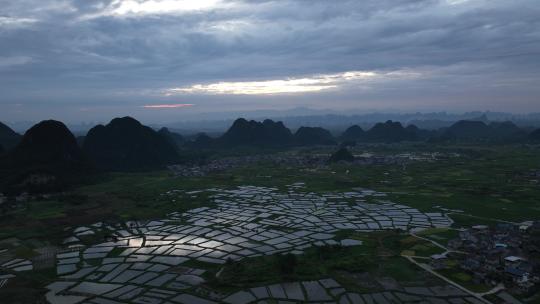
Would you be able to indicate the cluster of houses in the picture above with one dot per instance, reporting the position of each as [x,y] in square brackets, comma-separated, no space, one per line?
[292,159]
[227,163]
[16,201]
[505,253]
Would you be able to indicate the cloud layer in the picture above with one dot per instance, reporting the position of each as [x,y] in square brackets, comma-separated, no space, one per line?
[108,56]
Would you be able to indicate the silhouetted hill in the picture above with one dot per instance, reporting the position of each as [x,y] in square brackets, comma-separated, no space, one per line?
[353,133]
[2,150]
[253,133]
[125,144]
[390,131]
[535,135]
[47,142]
[8,137]
[341,155]
[474,131]
[431,124]
[277,133]
[507,131]
[202,141]
[483,118]
[80,140]
[174,138]
[310,136]
[467,130]
[47,158]
[421,134]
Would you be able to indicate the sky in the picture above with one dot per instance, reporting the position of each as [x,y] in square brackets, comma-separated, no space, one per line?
[167,60]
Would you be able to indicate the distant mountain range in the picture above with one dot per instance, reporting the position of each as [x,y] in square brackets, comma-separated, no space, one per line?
[474,131]
[275,134]
[125,142]
[48,153]
[332,120]
[337,121]
[267,133]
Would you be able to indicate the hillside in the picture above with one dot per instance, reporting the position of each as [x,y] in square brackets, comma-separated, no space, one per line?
[172,137]
[125,144]
[253,133]
[479,131]
[535,135]
[353,133]
[311,136]
[46,158]
[390,131]
[8,137]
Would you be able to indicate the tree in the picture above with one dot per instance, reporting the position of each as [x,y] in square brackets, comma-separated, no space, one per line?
[341,155]
[287,263]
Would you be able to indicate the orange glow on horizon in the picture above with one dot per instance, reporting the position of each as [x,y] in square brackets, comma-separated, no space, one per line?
[168,106]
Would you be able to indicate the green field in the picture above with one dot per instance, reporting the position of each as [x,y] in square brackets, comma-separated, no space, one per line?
[342,263]
[485,183]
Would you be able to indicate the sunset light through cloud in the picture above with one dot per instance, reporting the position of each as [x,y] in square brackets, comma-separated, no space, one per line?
[314,83]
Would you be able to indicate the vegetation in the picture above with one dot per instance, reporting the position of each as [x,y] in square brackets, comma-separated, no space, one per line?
[341,155]
[464,279]
[342,263]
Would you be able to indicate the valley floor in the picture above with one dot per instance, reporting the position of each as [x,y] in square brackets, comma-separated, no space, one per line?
[261,233]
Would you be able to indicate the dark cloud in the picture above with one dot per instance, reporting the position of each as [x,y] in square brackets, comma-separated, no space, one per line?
[61,56]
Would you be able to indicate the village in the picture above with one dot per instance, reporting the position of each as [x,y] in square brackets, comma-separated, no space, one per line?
[506,254]
[317,160]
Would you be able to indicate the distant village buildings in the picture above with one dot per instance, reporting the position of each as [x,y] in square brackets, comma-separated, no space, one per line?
[306,161]
[505,253]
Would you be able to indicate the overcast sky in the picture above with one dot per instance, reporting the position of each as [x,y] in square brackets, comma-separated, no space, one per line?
[165,60]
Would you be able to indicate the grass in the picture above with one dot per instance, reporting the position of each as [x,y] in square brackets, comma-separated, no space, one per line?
[396,243]
[467,220]
[440,235]
[464,279]
[341,263]
[426,249]
[399,269]
[24,252]
[42,210]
